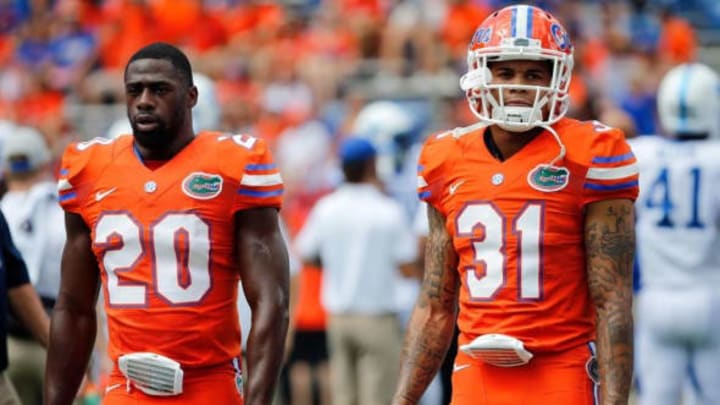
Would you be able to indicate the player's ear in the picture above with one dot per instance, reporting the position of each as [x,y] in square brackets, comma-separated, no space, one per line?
[192,96]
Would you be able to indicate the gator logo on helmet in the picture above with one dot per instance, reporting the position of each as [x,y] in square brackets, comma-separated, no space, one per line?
[202,186]
[548,178]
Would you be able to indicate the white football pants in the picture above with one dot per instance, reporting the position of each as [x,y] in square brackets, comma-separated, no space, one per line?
[678,342]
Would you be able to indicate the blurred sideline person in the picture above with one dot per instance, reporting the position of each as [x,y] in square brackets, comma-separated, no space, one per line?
[306,154]
[36,223]
[393,131]
[168,245]
[361,239]
[16,289]
[678,310]
[307,367]
[531,233]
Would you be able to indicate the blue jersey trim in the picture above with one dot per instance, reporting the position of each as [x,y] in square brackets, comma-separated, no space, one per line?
[267,166]
[68,196]
[613,159]
[260,194]
[611,187]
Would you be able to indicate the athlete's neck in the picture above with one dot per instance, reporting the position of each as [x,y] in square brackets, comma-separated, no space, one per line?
[166,153]
[509,143]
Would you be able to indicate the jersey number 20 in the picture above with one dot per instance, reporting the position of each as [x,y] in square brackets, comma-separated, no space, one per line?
[489,273]
[167,235]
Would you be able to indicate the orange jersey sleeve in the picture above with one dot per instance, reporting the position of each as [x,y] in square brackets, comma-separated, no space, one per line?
[612,171]
[259,181]
[432,176]
[74,185]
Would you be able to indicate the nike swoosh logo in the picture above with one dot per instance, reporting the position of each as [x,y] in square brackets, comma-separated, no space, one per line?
[454,187]
[102,194]
[458,367]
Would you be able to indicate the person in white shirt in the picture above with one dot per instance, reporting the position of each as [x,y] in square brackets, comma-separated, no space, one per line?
[361,238]
[36,224]
[678,224]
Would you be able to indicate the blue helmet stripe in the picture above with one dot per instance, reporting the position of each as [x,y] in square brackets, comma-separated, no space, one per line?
[529,22]
[513,22]
[682,102]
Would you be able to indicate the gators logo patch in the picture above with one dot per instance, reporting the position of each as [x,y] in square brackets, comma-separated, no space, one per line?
[548,178]
[202,186]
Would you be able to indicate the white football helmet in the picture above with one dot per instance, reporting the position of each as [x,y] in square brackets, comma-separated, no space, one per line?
[29,143]
[689,101]
[206,113]
[389,127]
[518,33]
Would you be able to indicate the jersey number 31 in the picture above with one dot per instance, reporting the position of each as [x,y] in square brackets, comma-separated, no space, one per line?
[489,273]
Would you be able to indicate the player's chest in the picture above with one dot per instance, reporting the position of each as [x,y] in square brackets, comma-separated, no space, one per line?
[507,189]
[147,196]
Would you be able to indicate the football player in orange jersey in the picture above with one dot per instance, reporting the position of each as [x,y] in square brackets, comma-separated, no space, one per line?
[165,223]
[531,234]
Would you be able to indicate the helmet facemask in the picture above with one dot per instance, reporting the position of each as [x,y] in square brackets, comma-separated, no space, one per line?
[479,87]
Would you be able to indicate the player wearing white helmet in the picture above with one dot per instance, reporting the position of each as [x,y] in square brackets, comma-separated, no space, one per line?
[678,212]
[391,127]
[393,130]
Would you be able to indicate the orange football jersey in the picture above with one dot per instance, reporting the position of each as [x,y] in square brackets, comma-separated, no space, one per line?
[518,227]
[164,238]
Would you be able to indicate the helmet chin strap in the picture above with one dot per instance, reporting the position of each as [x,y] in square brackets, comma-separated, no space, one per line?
[516,118]
[561,155]
[526,117]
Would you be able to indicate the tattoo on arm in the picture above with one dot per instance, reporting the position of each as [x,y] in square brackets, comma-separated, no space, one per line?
[433,320]
[610,249]
[440,277]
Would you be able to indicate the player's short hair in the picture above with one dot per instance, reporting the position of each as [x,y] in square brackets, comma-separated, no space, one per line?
[162,50]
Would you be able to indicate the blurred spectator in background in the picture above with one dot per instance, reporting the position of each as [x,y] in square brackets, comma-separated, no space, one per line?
[270,58]
[15,287]
[36,223]
[677,42]
[361,239]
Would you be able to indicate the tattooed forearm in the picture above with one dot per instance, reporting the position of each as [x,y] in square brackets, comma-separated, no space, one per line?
[432,322]
[440,277]
[610,248]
